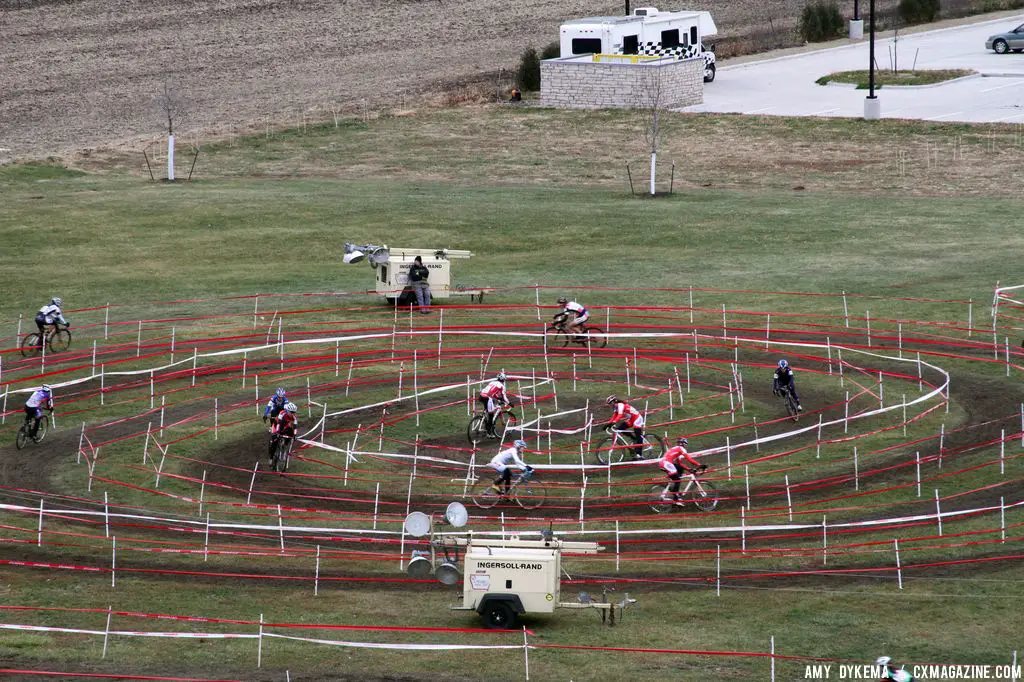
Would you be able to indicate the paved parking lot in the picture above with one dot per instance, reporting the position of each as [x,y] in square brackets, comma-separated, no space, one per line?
[785,86]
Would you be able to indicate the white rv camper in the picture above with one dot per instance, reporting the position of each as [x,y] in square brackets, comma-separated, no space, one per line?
[647,31]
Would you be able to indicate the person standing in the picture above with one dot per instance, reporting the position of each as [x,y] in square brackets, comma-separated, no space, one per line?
[418,275]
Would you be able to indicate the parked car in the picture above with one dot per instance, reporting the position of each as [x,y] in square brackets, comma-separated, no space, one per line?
[1004,42]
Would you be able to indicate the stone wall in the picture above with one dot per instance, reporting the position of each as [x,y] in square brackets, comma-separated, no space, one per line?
[581,83]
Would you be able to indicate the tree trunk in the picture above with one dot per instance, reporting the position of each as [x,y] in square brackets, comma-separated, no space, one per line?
[654,159]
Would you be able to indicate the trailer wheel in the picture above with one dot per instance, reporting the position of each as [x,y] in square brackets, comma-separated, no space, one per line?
[709,73]
[498,615]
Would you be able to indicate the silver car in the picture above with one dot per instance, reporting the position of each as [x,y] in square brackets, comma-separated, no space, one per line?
[1004,42]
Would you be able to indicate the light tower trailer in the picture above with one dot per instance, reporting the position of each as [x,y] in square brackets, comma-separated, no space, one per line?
[504,578]
[648,31]
[392,277]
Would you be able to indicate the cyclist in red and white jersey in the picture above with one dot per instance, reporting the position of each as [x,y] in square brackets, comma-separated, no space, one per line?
[674,463]
[492,398]
[625,417]
[284,424]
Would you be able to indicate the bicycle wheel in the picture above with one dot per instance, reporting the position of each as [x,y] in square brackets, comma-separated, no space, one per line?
[60,340]
[609,451]
[503,421]
[22,439]
[557,336]
[658,504]
[485,497]
[44,424]
[281,453]
[705,496]
[476,432]
[530,495]
[30,345]
[596,337]
[791,407]
[654,446]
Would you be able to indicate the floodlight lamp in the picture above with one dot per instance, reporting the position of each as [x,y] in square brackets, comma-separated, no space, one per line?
[353,257]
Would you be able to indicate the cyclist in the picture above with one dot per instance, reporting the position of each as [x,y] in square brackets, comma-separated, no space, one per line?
[284,424]
[41,399]
[502,463]
[276,404]
[50,315]
[625,417]
[670,463]
[493,397]
[573,314]
[784,379]
[890,672]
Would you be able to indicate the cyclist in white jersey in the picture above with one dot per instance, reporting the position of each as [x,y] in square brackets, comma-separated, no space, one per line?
[51,314]
[503,462]
[40,400]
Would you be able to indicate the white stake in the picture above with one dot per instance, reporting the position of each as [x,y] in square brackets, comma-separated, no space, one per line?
[259,646]
[1002,452]
[348,381]
[252,482]
[440,335]
[138,343]
[106,633]
[856,470]
[106,321]
[772,653]
[316,575]
[39,534]
[376,505]
[938,511]
[206,539]
[280,526]
[917,458]
[106,515]
[846,413]
[899,568]
[113,561]
[942,441]
[824,540]
[1002,518]
[789,499]
[718,571]
[202,492]
[728,458]
[746,478]
[846,311]
[743,529]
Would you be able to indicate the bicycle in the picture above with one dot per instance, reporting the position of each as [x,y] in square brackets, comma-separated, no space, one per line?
[613,449]
[282,454]
[702,493]
[504,419]
[790,402]
[24,433]
[525,490]
[58,338]
[583,335]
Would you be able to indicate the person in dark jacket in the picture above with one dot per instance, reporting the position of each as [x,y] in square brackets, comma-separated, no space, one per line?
[418,275]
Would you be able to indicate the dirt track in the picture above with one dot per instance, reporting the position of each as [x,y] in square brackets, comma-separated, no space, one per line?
[88,73]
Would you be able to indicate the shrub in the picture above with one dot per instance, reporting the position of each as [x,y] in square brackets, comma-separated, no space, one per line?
[918,11]
[551,51]
[820,21]
[529,71]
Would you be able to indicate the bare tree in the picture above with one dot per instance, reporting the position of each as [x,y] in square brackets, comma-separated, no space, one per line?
[650,105]
[171,105]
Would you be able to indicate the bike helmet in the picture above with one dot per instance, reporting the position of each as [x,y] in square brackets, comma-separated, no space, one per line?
[682,441]
[501,377]
[883,661]
[611,400]
[520,444]
[783,364]
[280,393]
[291,407]
[562,300]
[47,388]
[57,301]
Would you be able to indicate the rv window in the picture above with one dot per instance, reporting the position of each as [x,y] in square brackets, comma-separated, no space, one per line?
[693,35]
[630,45]
[586,46]
[383,271]
[670,38]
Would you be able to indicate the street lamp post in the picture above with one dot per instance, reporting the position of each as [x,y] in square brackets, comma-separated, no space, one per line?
[872,106]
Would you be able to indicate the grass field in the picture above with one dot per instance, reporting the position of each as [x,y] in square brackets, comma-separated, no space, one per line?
[540,198]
